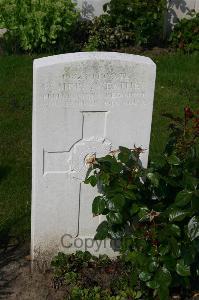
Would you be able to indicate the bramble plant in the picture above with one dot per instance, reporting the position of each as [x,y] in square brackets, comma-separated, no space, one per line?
[154,212]
[144,18]
[128,22]
[88,277]
[185,35]
[35,25]
[104,36]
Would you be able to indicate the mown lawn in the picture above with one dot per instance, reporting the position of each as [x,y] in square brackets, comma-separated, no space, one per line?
[15,144]
[177,85]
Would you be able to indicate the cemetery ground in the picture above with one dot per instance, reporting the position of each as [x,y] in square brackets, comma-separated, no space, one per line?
[177,85]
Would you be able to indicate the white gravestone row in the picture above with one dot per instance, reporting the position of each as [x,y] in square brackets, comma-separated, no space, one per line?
[84,104]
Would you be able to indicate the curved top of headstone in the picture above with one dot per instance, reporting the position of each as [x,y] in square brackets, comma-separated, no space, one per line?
[84,106]
[82,56]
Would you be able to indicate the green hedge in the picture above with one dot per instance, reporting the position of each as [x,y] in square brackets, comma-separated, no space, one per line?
[38,25]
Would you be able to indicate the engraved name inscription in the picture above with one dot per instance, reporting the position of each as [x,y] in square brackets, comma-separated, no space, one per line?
[83,85]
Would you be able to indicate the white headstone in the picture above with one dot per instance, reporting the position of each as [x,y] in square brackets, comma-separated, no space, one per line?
[83,104]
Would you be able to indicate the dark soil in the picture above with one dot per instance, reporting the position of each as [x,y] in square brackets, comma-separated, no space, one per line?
[17,282]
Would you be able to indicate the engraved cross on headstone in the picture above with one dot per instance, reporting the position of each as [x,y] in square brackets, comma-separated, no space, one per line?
[73,161]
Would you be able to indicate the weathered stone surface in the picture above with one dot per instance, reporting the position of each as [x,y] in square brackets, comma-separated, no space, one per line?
[84,104]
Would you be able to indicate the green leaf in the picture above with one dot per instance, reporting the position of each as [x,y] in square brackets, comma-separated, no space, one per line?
[115,218]
[153,178]
[125,150]
[189,254]
[134,209]
[131,187]
[122,182]
[175,229]
[183,198]
[153,284]
[164,277]
[193,228]
[133,279]
[92,180]
[143,214]
[130,195]
[182,269]
[173,160]
[164,249]
[107,158]
[132,256]
[136,257]
[145,276]
[90,169]
[169,262]
[124,156]
[102,231]
[98,206]
[104,178]
[153,266]
[175,247]
[117,202]
[161,281]
[177,215]
[138,295]
[195,201]
[163,293]
[190,182]
[116,167]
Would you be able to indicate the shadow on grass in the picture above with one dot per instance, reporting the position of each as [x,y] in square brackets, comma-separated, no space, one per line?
[9,241]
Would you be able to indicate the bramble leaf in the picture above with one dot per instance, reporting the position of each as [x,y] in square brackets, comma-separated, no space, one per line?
[183,198]
[92,180]
[153,284]
[193,228]
[98,205]
[177,215]
[102,231]
[153,178]
[114,217]
[163,293]
[145,276]
[182,269]
[117,202]
[173,160]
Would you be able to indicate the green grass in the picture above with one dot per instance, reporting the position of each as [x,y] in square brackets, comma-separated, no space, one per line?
[176,86]
[15,143]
